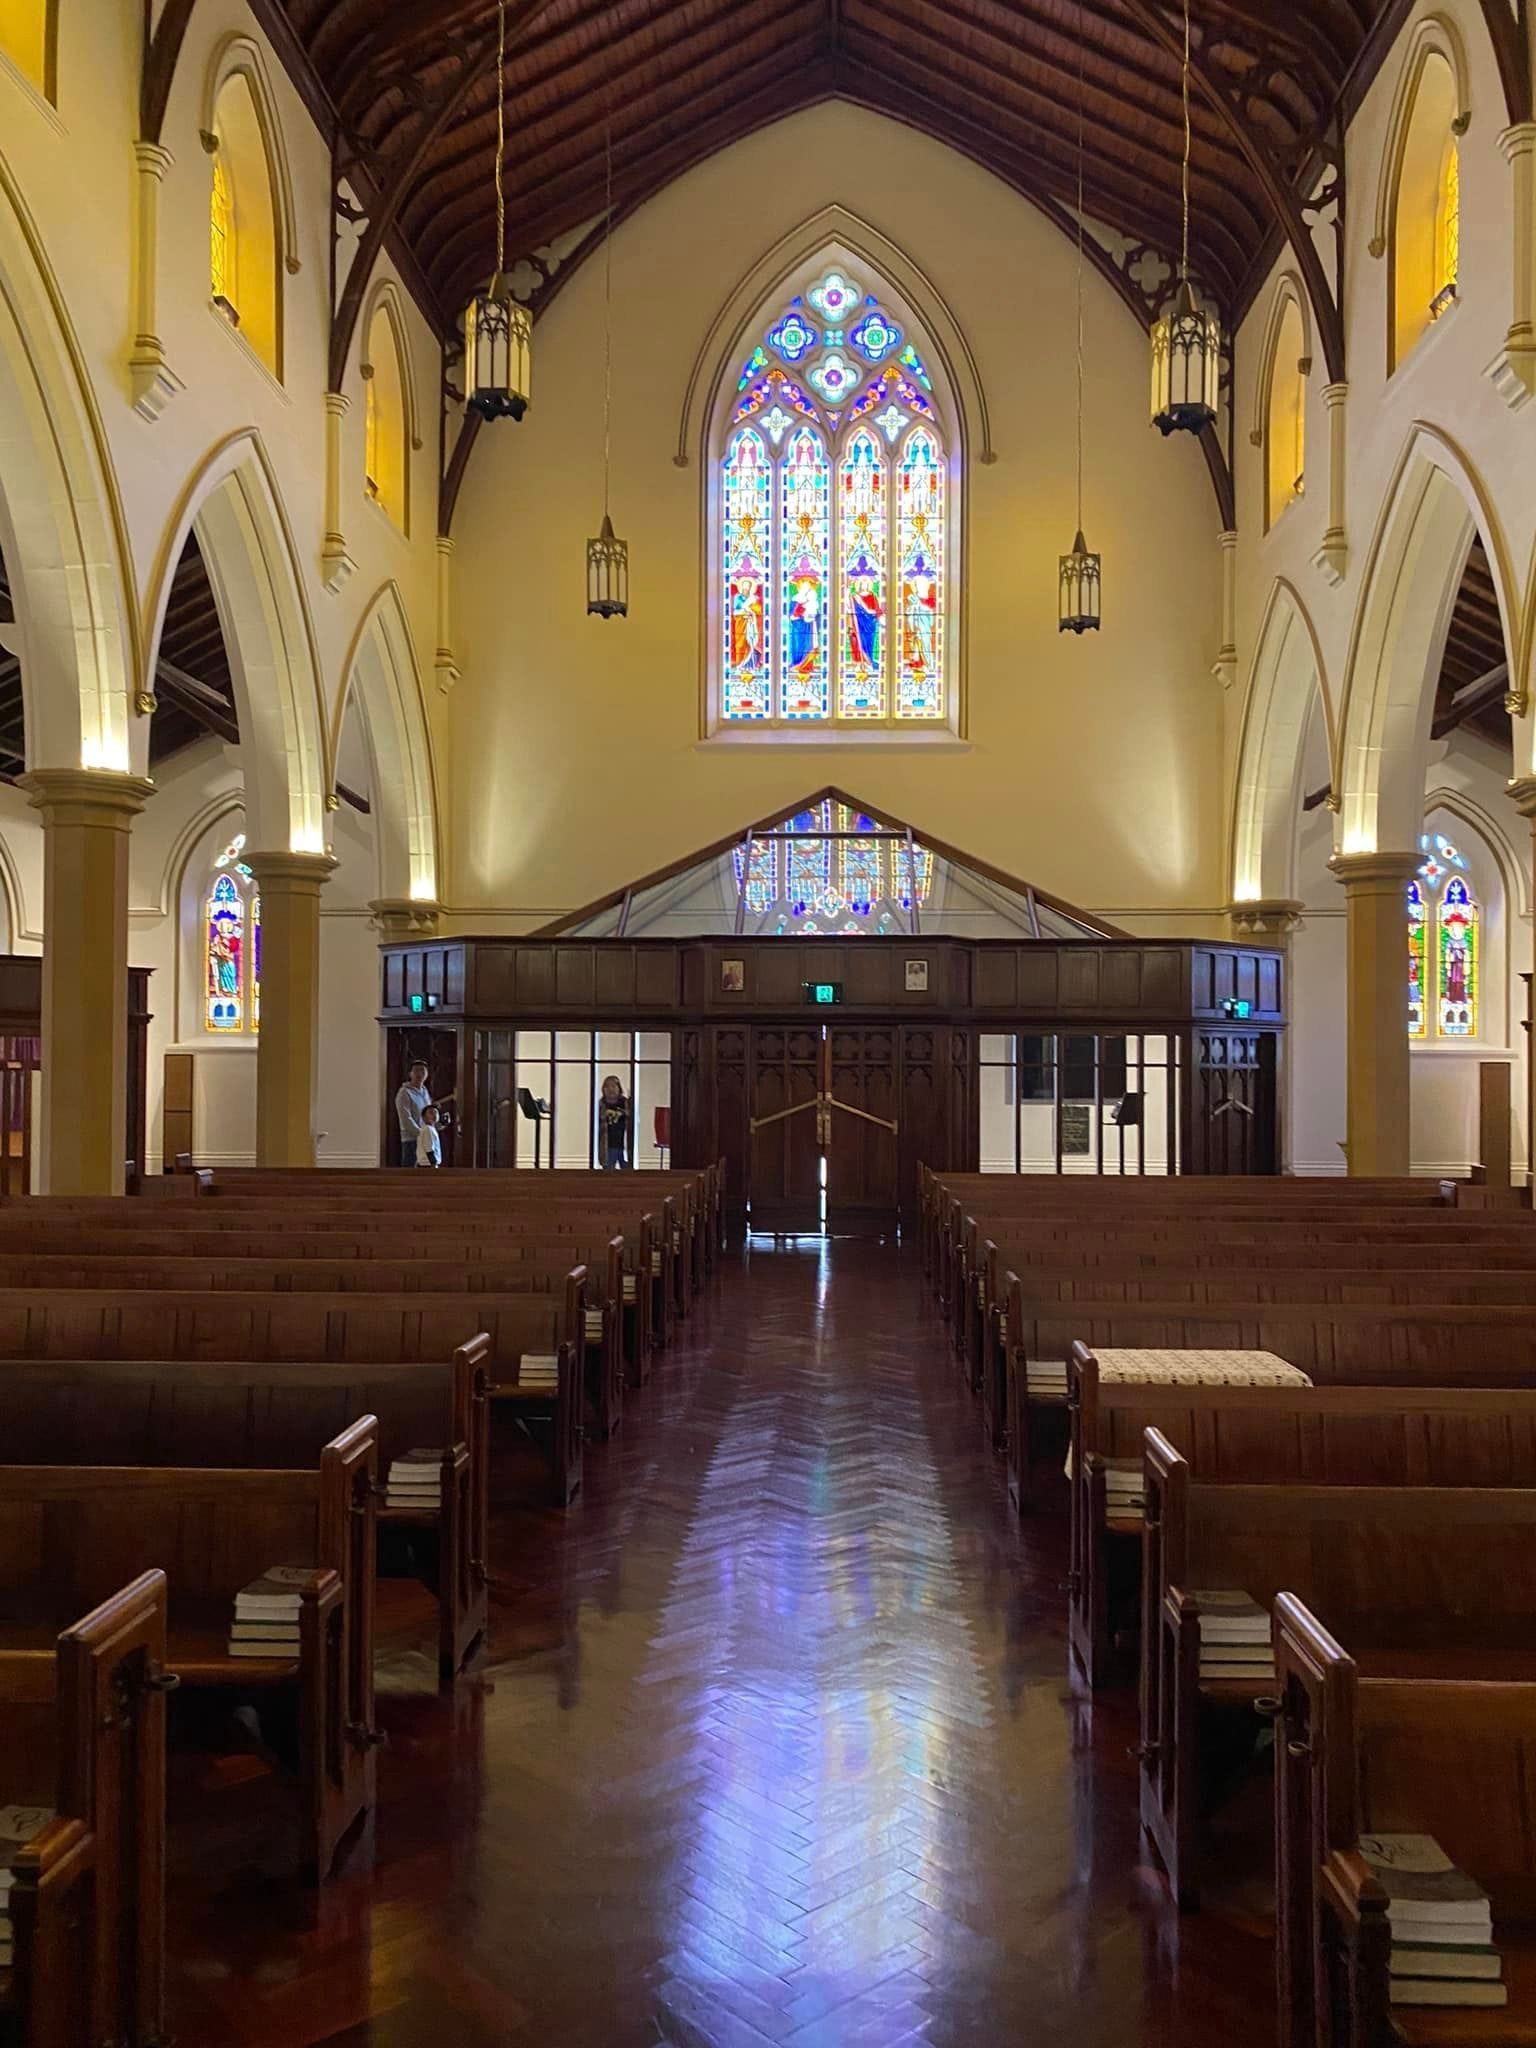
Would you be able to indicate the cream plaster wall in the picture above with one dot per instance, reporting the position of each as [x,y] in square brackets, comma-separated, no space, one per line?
[1092,766]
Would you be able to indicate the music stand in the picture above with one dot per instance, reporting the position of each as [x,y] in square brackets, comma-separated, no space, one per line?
[536,1109]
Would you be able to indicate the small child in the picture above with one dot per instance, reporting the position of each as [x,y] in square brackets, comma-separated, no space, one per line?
[429,1146]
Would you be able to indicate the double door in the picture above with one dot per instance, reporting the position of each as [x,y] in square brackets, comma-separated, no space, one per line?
[824,1126]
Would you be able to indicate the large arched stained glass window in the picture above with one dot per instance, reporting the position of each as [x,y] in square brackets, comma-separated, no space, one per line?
[232,945]
[833,494]
[833,870]
[1444,945]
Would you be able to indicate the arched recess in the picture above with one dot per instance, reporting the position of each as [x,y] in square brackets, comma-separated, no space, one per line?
[392,425]
[1433,510]
[1431,110]
[1280,398]
[254,236]
[1288,675]
[248,549]
[384,680]
[62,531]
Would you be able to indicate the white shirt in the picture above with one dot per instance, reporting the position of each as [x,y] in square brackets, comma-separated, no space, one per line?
[429,1150]
[409,1103]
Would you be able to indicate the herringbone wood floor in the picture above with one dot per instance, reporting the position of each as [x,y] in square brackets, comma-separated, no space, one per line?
[774,1744]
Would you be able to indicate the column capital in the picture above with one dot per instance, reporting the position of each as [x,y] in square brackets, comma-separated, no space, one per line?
[400,917]
[1266,917]
[153,158]
[1334,395]
[1375,870]
[1521,791]
[86,796]
[294,871]
[1517,140]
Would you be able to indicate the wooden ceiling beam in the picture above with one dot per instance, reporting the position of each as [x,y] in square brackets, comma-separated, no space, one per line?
[157,67]
[206,706]
[1511,50]
[400,178]
[541,143]
[1129,140]
[1471,700]
[1283,199]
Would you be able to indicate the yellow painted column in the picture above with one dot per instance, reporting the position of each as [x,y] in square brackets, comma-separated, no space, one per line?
[88,815]
[1375,886]
[288,1044]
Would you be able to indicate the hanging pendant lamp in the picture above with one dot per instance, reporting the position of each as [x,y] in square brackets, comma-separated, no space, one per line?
[607,555]
[1080,570]
[1186,341]
[498,332]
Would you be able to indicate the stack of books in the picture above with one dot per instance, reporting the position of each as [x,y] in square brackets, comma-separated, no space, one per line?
[1234,1637]
[415,1481]
[1125,1496]
[18,1824]
[266,1620]
[1046,1379]
[1442,1925]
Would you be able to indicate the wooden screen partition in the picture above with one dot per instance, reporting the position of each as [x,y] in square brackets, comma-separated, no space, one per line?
[854,1093]
[21,1038]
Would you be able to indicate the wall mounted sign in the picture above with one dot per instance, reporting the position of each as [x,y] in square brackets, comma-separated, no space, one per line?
[917,977]
[822,991]
[733,977]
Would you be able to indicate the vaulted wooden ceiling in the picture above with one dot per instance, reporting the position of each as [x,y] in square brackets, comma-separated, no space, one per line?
[413,85]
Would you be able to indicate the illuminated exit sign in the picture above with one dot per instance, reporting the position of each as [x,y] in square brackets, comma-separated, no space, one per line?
[822,991]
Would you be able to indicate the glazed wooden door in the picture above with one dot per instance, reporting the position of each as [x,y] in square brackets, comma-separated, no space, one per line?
[862,1122]
[785,1119]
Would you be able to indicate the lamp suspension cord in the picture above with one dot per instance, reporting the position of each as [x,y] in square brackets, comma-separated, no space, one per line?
[1184,243]
[501,133]
[1080,267]
[607,292]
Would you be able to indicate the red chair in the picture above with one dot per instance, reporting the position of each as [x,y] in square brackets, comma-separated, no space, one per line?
[663,1129]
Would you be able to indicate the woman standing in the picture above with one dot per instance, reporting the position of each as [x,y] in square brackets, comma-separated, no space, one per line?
[612,1126]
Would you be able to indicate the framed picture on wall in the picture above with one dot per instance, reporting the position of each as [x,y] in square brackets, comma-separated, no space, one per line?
[917,977]
[733,977]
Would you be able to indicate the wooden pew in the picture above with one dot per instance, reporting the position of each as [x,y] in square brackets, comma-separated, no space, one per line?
[1408,1573]
[534,1359]
[82,1731]
[1264,1436]
[68,1533]
[234,1415]
[1438,1751]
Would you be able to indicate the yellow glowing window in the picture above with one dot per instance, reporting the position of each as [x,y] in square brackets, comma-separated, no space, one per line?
[26,39]
[1447,231]
[371,438]
[221,251]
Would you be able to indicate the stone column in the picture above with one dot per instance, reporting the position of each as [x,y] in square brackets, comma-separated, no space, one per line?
[1225,670]
[1332,557]
[155,383]
[288,1044]
[88,814]
[336,565]
[1513,370]
[1375,885]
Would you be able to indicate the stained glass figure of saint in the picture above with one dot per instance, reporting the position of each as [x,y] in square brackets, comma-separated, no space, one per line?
[225,947]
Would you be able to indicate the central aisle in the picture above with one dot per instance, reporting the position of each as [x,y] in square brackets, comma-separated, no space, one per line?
[775,1743]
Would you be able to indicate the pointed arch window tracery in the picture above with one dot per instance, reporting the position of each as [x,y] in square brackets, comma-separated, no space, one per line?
[834,489]
[1444,945]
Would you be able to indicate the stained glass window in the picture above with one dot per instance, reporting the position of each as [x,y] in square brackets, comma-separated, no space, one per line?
[834,506]
[1418,974]
[232,945]
[221,252]
[834,877]
[1456,966]
[1440,901]
[1447,231]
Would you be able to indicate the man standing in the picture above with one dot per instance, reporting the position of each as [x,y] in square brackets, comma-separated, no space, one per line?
[411,1098]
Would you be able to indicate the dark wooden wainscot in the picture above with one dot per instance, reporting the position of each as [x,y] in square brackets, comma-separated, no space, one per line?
[21,1056]
[902,1045]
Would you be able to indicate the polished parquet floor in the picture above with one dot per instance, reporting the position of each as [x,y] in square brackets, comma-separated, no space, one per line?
[774,1744]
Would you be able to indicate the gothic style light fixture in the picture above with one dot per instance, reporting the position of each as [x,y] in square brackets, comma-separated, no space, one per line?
[1186,341]
[1079,597]
[607,556]
[498,333]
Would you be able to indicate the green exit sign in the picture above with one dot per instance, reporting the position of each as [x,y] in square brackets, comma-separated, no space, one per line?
[418,1004]
[822,991]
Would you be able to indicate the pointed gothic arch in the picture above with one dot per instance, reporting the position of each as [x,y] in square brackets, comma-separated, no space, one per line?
[247,545]
[383,677]
[392,426]
[1280,397]
[62,530]
[1287,678]
[253,226]
[1435,507]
